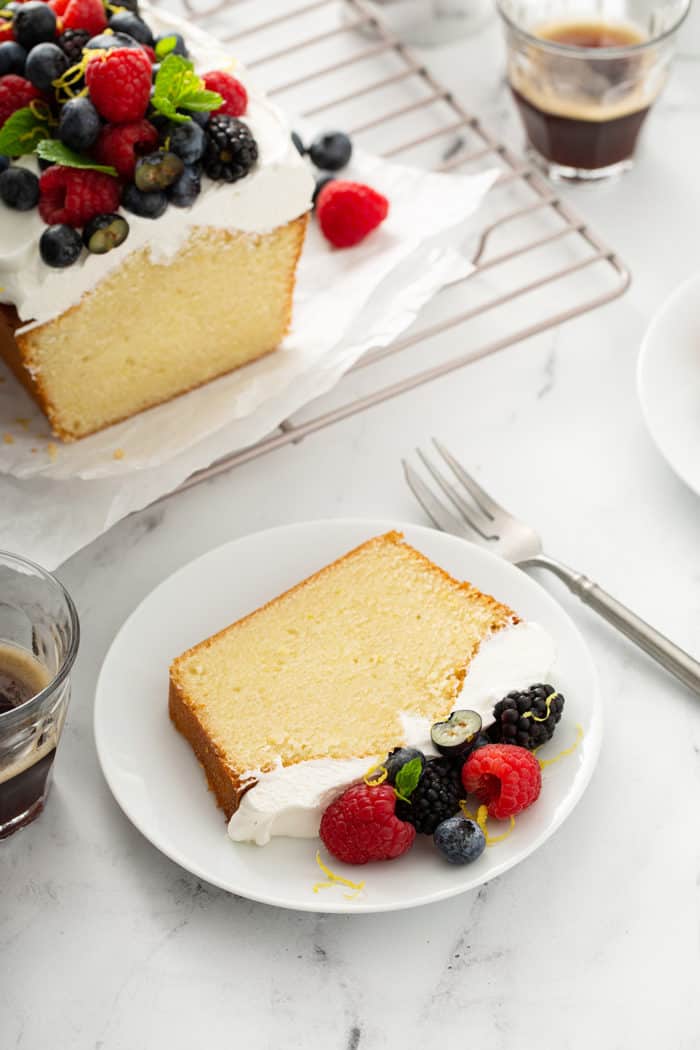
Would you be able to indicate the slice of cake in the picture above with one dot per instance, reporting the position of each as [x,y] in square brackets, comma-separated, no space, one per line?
[174,266]
[341,668]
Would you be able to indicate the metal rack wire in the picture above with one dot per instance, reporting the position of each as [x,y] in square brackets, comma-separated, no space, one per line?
[534,255]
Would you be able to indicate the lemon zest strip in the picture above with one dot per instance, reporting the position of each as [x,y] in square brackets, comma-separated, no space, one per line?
[336,880]
[544,762]
[548,702]
[481,817]
[375,776]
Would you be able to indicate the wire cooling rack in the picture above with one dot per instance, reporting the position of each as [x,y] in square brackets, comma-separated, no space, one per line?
[534,256]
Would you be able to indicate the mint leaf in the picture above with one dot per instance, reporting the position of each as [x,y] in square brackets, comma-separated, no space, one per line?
[23,130]
[178,87]
[407,779]
[163,47]
[57,153]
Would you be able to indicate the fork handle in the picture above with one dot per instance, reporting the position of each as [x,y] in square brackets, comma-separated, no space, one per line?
[655,644]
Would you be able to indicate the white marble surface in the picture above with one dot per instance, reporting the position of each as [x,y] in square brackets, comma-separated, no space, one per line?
[106,945]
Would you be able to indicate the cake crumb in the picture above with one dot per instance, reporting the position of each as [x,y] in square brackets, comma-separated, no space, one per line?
[52,450]
[33,450]
[23,422]
[118,453]
[8,439]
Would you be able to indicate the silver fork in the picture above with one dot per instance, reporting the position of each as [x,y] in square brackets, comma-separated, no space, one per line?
[481,520]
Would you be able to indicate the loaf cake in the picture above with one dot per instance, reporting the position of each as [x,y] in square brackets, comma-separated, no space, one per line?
[332,669]
[195,290]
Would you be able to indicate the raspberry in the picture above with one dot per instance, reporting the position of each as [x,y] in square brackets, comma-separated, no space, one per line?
[504,777]
[122,144]
[120,84]
[74,196]
[231,90]
[6,31]
[81,14]
[152,57]
[15,93]
[348,212]
[361,825]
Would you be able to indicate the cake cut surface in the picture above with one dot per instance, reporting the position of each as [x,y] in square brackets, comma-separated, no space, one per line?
[328,669]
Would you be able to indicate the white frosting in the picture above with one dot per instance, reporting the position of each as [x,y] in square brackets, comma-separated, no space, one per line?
[278,190]
[290,800]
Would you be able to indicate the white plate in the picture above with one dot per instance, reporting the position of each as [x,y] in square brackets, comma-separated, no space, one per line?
[668,381]
[160,786]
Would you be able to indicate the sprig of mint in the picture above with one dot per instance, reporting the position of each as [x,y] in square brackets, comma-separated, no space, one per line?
[57,153]
[164,46]
[178,87]
[407,779]
[21,132]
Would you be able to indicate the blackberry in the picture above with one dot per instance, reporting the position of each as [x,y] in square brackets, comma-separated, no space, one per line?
[526,718]
[435,798]
[231,151]
[72,43]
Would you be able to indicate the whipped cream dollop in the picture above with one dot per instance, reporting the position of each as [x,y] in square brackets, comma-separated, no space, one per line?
[290,800]
[278,190]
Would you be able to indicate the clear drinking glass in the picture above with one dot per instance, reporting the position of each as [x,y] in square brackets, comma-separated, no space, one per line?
[426,23]
[584,75]
[39,635]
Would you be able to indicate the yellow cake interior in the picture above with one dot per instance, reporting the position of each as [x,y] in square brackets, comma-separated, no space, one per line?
[326,669]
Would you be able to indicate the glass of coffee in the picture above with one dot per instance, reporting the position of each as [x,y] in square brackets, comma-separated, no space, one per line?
[584,75]
[39,634]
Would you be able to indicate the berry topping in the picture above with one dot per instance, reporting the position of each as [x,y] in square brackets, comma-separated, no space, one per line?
[331,151]
[120,145]
[460,840]
[147,205]
[15,93]
[231,151]
[79,124]
[105,232]
[33,23]
[81,14]
[6,31]
[322,181]
[298,143]
[455,736]
[187,141]
[399,758]
[120,84]
[527,718]
[60,246]
[170,44]
[110,41]
[157,171]
[72,43]
[12,58]
[185,190]
[19,189]
[127,22]
[436,797]
[362,825]
[74,196]
[505,778]
[4,163]
[231,90]
[45,63]
[348,212]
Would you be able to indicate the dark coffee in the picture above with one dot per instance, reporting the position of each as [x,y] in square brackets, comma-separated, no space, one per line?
[24,770]
[580,111]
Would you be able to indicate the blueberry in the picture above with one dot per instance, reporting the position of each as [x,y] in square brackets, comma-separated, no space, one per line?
[187,141]
[201,118]
[331,151]
[127,22]
[19,189]
[108,41]
[33,23]
[60,245]
[185,190]
[147,205]
[460,840]
[299,143]
[158,170]
[180,45]
[4,163]
[79,125]
[12,58]
[105,232]
[320,183]
[398,758]
[45,63]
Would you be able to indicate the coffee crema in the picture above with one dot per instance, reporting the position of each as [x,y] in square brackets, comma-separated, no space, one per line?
[591,34]
[22,676]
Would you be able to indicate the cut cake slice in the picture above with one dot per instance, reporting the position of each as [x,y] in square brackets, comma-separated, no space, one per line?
[327,669]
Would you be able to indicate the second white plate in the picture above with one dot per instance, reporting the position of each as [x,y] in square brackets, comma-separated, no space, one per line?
[160,786]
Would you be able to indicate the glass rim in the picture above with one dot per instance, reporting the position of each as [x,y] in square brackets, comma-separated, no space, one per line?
[17,714]
[574,51]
